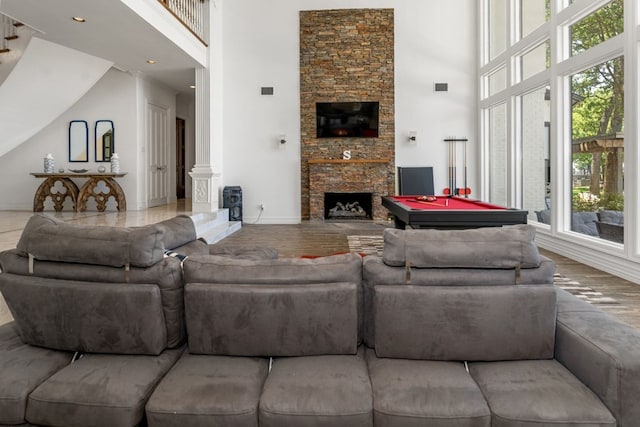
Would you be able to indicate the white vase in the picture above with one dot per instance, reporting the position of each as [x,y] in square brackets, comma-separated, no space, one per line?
[49,166]
[115,163]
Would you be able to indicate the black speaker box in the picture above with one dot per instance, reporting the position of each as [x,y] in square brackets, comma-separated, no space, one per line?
[232,200]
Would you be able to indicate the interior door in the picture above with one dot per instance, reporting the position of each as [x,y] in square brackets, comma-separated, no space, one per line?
[158,139]
[180,159]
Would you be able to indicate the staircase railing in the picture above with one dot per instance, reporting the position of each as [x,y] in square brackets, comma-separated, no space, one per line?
[193,14]
[8,32]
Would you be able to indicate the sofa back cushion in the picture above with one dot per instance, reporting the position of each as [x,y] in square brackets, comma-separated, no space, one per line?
[490,247]
[344,268]
[166,275]
[177,231]
[467,323]
[46,238]
[272,320]
[86,316]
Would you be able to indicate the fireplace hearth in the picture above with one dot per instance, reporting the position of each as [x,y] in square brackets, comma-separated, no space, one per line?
[348,206]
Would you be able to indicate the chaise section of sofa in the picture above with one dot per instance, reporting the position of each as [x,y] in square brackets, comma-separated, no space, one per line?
[603,353]
[290,326]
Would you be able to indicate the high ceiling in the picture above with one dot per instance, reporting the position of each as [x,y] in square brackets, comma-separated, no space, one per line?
[112,31]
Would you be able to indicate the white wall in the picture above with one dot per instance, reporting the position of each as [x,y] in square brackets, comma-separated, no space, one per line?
[113,98]
[435,41]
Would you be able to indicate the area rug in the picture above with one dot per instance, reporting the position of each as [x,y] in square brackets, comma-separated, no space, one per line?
[372,245]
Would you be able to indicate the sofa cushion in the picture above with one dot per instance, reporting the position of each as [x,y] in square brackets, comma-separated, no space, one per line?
[240,251]
[167,275]
[10,336]
[317,391]
[48,239]
[592,338]
[99,390]
[345,268]
[471,323]
[225,269]
[86,316]
[540,392]
[490,247]
[177,231]
[584,222]
[271,320]
[376,272]
[408,393]
[612,217]
[209,390]
[22,368]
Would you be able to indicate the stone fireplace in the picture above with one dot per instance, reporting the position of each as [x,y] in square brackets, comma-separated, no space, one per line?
[346,55]
[348,176]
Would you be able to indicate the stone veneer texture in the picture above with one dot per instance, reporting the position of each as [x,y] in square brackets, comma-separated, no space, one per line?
[347,55]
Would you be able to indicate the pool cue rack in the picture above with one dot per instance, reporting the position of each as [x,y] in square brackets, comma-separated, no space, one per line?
[453,189]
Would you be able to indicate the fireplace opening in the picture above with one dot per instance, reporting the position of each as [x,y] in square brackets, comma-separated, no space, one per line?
[348,206]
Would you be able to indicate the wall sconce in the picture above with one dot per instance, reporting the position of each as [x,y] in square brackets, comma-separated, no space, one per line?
[412,136]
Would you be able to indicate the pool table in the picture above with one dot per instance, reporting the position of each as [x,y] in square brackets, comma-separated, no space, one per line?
[450,213]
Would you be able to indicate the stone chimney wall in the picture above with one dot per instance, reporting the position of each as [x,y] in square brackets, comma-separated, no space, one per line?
[347,55]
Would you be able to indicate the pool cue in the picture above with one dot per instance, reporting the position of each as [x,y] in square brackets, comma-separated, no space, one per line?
[431,203]
[466,195]
[455,168]
[453,161]
[450,170]
[449,190]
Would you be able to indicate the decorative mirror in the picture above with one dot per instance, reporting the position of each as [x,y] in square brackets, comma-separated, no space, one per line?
[78,141]
[104,140]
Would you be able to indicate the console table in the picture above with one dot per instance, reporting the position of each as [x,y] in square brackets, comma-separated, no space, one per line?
[79,196]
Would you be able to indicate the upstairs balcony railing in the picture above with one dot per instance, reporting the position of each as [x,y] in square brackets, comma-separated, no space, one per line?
[193,14]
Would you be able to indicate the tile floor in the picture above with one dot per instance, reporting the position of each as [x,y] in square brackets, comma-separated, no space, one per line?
[323,238]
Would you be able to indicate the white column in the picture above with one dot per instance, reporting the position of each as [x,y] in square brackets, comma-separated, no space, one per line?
[205,181]
[206,173]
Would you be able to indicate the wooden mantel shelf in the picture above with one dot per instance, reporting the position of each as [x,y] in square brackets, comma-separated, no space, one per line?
[319,161]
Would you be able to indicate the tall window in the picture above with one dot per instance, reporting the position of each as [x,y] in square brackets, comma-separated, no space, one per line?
[597,145]
[532,15]
[498,154]
[536,161]
[553,104]
[498,27]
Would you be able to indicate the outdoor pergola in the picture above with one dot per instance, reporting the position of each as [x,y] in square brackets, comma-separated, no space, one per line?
[613,146]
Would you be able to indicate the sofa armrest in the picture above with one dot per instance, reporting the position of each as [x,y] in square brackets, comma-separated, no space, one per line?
[603,353]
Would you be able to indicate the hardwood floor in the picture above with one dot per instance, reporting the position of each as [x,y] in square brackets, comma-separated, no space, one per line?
[326,238]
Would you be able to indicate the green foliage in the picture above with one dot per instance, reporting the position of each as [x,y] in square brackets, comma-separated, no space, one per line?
[585,202]
[605,23]
[611,201]
[582,161]
[600,88]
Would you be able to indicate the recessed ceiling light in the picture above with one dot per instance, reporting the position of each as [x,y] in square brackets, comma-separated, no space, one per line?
[78,19]
[151,61]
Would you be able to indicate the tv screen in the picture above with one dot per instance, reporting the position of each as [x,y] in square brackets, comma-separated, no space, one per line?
[347,119]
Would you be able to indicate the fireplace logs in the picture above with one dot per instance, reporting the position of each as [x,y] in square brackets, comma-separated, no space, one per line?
[349,210]
[347,206]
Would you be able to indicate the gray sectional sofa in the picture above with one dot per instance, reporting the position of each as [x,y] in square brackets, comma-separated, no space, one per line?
[114,327]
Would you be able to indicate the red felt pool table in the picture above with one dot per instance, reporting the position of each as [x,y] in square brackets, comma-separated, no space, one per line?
[450,213]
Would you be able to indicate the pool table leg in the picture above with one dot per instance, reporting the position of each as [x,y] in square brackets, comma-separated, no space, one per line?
[398,223]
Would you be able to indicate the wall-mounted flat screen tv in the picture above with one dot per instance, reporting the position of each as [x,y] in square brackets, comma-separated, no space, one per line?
[347,119]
